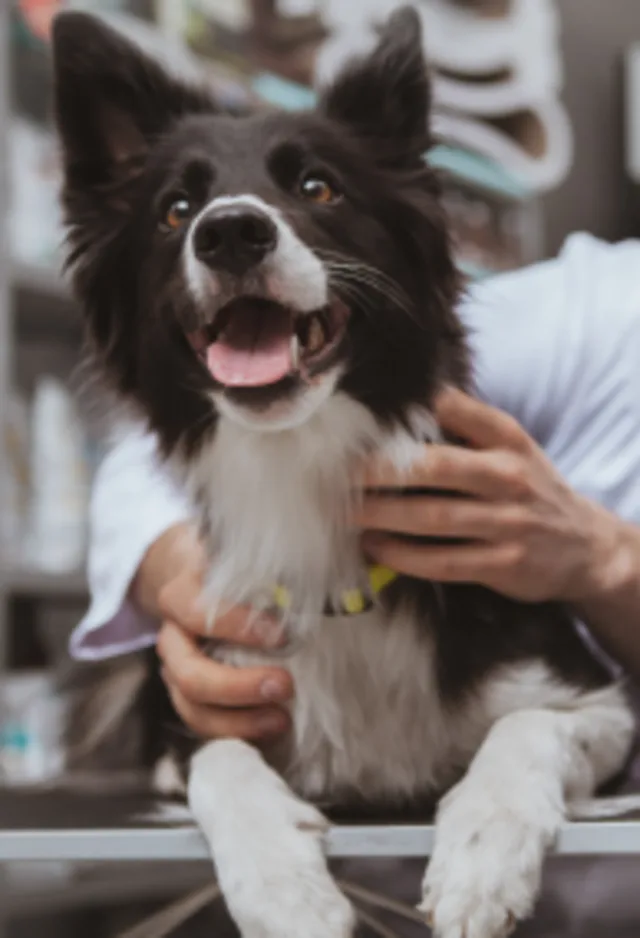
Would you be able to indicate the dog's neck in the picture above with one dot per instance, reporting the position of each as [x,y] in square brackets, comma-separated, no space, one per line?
[276,506]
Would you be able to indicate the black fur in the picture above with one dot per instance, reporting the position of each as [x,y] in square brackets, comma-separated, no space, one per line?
[132,137]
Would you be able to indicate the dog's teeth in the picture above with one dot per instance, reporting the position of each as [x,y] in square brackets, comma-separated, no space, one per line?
[315,335]
[295,352]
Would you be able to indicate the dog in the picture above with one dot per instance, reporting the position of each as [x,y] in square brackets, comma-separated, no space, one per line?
[275,296]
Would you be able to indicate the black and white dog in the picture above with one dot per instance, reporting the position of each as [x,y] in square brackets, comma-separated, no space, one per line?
[275,295]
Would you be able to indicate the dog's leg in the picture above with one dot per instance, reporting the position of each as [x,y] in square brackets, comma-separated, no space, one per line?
[267,847]
[494,827]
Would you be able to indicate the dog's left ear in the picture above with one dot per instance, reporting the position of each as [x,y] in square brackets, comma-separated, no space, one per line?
[112,101]
[386,97]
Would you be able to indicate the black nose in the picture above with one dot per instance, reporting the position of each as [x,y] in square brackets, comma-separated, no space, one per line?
[234,238]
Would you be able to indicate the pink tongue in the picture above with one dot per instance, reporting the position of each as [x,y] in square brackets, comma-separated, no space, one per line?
[254,349]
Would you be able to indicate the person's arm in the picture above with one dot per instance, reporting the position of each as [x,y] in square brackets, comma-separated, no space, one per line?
[527,534]
[175,550]
[133,503]
[610,604]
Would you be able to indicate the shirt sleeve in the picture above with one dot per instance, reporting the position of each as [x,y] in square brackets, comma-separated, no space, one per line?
[557,345]
[134,501]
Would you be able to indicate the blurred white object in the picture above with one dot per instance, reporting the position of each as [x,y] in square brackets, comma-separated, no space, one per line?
[538,150]
[234,14]
[632,109]
[496,79]
[35,222]
[524,42]
[59,484]
[459,40]
[31,745]
[299,7]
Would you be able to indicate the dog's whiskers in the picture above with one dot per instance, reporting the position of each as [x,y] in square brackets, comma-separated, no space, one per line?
[347,273]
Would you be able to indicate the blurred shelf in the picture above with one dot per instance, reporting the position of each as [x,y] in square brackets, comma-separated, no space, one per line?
[36,583]
[43,300]
[37,278]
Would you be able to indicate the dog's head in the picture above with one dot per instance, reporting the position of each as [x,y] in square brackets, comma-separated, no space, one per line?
[253,265]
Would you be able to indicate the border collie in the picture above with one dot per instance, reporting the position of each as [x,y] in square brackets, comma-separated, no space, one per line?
[275,294]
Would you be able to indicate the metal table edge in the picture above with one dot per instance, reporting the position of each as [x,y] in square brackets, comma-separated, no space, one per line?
[187,843]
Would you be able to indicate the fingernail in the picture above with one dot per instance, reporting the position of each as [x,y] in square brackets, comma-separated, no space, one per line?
[272,723]
[274,689]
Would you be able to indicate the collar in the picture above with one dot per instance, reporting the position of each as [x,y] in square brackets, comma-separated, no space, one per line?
[352,602]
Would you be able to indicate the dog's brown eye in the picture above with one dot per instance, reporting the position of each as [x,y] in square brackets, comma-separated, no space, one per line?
[318,189]
[177,213]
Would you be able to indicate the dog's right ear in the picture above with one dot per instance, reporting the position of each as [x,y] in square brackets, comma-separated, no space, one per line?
[385,97]
[111,102]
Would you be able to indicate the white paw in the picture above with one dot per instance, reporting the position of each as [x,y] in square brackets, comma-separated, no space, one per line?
[267,847]
[274,875]
[485,871]
[297,907]
[286,891]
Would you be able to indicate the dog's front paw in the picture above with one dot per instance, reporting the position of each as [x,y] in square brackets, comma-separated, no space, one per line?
[275,878]
[290,902]
[485,871]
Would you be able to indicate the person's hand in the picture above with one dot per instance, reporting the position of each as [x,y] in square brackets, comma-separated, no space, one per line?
[526,534]
[214,700]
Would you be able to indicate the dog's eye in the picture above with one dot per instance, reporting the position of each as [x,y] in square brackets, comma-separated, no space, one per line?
[178,212]
[317,188]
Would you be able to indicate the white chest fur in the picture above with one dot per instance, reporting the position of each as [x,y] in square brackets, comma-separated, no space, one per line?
[366,713]
[277,504]
[367,718]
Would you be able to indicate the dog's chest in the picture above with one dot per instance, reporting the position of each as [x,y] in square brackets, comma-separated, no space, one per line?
[367,718]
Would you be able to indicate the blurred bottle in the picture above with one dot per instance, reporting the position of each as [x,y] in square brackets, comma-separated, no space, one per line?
[14,478]
[31,722]
[59,484]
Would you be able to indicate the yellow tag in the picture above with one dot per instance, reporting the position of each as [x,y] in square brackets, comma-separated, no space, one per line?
[282,597]
[353,602]
[379,577]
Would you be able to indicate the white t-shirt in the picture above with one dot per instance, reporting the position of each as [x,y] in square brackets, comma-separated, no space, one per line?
[556,345]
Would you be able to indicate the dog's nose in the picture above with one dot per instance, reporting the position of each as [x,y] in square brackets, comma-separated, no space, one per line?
[234,239]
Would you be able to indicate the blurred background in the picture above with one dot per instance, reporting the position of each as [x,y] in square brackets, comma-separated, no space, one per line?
[537,119]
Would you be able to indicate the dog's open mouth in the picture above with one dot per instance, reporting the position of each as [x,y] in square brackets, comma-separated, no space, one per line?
[255,342]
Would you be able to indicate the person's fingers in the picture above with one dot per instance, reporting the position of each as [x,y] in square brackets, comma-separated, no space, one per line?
[180,601]
[203,681]
[474,563]
[479,423]
[436,517]
[492,475]
[218,723]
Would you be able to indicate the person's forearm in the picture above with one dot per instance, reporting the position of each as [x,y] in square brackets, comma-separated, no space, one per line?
[610,605]
[166,556]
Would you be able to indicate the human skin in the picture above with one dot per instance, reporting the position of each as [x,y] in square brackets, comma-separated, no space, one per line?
[525,534]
